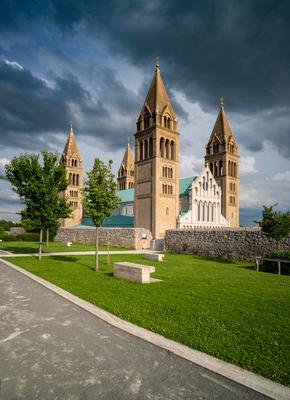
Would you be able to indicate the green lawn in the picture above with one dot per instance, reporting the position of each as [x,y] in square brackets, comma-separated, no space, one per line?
[19,247]
[224,309]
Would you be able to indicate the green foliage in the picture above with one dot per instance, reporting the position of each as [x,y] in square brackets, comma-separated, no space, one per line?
[282,255]
[99,193]
[22,237]
[39,187]
[224,309]
[6,225]
[275,224]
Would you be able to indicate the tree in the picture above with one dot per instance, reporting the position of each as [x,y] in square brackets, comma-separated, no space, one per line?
[99,197]
[275,224]
[39,186]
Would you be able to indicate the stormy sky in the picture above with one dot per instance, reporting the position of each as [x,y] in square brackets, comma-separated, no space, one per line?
[92,61]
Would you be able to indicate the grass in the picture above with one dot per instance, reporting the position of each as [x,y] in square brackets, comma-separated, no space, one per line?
[221,308]
[32,247]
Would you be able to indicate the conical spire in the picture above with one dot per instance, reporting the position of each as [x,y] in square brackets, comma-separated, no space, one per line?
[221,130]
[71,146]
[157,98]
[128,159]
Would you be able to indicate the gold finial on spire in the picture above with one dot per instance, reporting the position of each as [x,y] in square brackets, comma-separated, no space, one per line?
[71,126]
[222,102]
[157,64]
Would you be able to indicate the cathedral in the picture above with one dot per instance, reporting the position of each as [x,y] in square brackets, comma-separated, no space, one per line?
[152,195]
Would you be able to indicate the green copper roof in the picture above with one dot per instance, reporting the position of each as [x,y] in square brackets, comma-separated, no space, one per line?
[114,221]
[184,185]
[121,221]
[127,196]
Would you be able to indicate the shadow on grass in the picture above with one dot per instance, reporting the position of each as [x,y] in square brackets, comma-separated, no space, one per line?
[21,250]
[64,258]
[215,259]
[251,267]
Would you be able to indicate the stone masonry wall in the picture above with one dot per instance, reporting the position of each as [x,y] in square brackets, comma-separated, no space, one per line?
[133,238]
[233,244]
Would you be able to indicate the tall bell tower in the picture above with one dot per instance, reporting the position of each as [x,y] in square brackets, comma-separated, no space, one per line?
[223,160]
[71,160]
[156,162]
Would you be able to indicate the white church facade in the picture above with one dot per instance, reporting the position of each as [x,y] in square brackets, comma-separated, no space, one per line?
[204,204]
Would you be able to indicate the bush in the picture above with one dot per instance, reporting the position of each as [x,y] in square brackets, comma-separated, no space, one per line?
[23,237]
[272,266]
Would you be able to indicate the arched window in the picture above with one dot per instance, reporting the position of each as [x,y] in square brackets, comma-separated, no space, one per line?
[146,121]
[151,147]
[172,148]
[162,147]
[167,148]
[229,167]
[221,172]
[74,179]
[141,150]
[146,149]
[77,180]
[203,212]
[198,211]
[167,211]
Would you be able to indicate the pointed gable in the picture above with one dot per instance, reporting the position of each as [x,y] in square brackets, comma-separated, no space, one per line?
[221,131]
[71,146]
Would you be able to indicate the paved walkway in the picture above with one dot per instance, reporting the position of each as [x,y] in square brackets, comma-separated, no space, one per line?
[6,254]
[52,349]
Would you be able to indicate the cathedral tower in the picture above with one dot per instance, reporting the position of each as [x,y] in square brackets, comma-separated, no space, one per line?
[223,160]
[72,162]
[126,171]
[156,162]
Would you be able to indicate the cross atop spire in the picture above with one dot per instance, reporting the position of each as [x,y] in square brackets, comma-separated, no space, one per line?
[157,64]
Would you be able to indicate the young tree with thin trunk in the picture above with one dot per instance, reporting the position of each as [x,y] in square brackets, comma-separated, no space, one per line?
[39,186]
[99,197]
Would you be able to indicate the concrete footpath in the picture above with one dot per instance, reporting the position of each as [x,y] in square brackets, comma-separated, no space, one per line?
[52,349]
[6,254]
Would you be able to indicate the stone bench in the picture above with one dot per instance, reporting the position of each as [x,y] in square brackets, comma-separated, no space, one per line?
[134,272]
[154,257]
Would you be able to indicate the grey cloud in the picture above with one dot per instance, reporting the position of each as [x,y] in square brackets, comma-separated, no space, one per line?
[31,109]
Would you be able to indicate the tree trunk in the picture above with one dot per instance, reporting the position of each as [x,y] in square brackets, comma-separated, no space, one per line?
[97,248]
[40,244]
[108,250]
[47,236]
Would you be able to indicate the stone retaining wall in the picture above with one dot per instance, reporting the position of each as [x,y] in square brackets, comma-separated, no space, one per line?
[232,244]
[133,238]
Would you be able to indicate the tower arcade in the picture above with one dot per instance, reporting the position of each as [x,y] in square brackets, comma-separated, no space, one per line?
[156,162]
[223,160]
[72,163]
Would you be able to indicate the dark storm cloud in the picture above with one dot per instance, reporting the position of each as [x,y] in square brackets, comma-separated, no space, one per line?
[236,49]
[32,108]
[207,48]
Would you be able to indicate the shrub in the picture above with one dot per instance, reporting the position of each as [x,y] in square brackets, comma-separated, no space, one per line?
[23,237]
[272,266]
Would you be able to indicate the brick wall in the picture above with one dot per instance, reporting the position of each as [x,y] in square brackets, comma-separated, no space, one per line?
[233,244]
